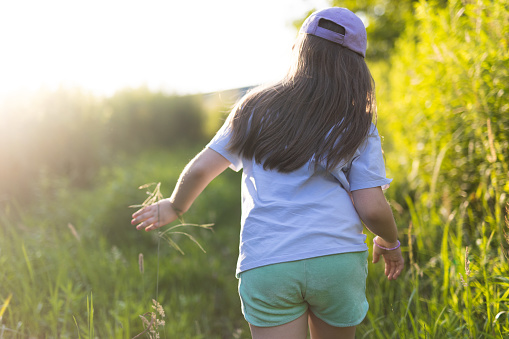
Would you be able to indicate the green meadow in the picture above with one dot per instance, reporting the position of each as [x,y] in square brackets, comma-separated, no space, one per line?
[72,265]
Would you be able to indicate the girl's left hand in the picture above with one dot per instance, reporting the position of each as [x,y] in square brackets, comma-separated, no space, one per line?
[394,261]
[154,216]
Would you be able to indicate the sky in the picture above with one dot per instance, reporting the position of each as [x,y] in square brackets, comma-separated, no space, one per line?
[186,46]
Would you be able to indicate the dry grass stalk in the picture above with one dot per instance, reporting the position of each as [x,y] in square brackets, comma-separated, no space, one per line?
[153,197]
[140,263]
[463,282]
[74,232]
[467,269]
[493,156]
[152,325]
[167,233]
[146,323]
[467,263]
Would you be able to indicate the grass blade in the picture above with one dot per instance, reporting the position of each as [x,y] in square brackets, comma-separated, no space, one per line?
[90,311]
[79,335]
[27,260]
[4,306]
[192,238]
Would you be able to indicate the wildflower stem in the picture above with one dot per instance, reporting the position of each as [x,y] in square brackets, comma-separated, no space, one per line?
[157,278]
[152,320]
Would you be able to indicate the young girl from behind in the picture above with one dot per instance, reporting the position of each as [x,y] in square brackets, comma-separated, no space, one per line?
[312,170]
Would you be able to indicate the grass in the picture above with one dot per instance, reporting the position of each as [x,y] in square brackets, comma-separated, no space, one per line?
[52,275]
[71,267]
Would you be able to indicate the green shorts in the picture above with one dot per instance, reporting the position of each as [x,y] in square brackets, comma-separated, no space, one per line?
[333,287]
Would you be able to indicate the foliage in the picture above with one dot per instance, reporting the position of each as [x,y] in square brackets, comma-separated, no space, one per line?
[385,21]
[451,97]
[49,134]
[71,134]
[140,119]
[55,256]
[445,117]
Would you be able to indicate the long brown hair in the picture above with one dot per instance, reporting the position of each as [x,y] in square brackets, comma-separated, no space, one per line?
[322,109]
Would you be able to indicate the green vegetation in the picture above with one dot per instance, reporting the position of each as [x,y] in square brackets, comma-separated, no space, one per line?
[80,243]
[70,260]
[71,134]
[444,114]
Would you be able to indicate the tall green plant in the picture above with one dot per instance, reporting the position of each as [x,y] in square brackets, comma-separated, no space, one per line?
[447,104]
[445,116]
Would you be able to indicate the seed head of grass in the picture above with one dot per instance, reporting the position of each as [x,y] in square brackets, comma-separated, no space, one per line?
[151,323]
[74,232]
[153,197]
[492,157]
[158,307]
[467,269]
[463,282]
[467,263]
[140,263]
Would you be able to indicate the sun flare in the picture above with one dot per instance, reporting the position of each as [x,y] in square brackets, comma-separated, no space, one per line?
[175,46]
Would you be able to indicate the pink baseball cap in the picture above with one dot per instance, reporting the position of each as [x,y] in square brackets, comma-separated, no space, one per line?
[355,37]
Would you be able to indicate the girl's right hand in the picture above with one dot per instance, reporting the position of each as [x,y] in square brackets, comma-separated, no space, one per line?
[154,216]
[394,261]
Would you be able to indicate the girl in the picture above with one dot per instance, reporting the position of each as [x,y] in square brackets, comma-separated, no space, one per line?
[312,170]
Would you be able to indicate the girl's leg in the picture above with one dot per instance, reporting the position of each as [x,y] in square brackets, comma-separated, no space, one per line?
[321,330]
[297,329]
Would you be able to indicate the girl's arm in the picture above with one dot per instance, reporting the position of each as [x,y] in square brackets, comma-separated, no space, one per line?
[376,214]
[200,171]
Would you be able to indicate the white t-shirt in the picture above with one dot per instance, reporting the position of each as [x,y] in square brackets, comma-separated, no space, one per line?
[303,214]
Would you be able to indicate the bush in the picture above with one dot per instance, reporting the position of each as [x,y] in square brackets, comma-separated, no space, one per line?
[447,104]
[445,117]
[68,135]
[139,119]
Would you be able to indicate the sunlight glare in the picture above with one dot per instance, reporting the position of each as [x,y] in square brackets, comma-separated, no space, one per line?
[179,46]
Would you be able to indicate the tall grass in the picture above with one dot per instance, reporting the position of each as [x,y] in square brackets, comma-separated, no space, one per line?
[52,276]
[87,284]
[448,291]
[438,102]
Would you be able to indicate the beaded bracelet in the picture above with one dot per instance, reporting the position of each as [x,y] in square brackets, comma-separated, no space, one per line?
[385,248]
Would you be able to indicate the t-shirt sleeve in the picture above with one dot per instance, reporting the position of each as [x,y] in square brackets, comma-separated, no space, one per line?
[367,168]
[219,143]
